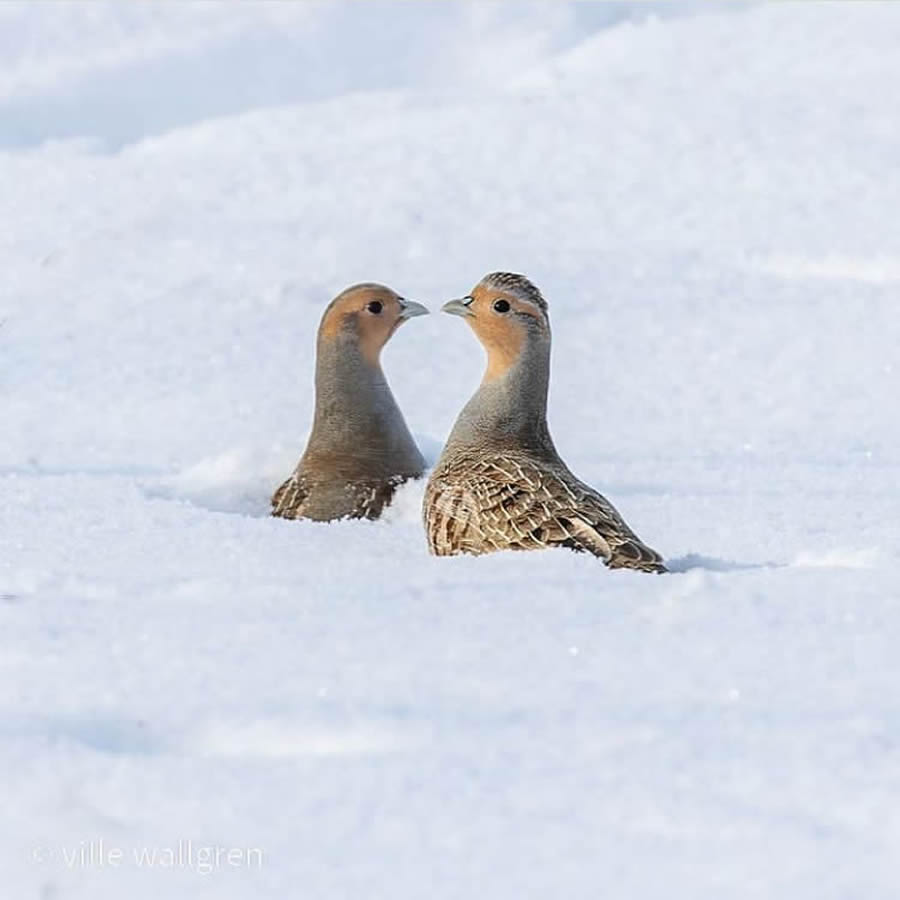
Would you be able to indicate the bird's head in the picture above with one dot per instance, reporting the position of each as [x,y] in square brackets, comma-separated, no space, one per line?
[508,315]
[367,314]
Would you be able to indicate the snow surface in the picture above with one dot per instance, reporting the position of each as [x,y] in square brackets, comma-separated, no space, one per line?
[708,198]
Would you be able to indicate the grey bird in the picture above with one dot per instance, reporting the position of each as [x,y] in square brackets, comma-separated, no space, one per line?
[360,449]
[500,483]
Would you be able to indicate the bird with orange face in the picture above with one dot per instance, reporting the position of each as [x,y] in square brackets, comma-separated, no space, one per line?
[360,449]
[500,483]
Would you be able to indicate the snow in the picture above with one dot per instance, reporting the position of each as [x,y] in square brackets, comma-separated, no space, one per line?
[706,196]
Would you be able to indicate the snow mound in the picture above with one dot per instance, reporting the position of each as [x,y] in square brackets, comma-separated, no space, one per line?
[241,480]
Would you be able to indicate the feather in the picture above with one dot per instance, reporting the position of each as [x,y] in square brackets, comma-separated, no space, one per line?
[481,503]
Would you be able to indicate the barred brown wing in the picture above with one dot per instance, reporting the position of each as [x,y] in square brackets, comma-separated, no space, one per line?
[507,503]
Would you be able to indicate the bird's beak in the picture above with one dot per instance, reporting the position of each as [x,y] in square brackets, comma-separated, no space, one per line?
[409,309]
[458,307]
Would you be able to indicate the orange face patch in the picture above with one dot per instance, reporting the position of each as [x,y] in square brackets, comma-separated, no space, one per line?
[371,310]
[496,321]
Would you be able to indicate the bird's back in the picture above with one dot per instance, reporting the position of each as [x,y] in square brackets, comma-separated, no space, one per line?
[326,499]
[480,500]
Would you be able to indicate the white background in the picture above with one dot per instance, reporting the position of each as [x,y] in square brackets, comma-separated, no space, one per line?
[708,199]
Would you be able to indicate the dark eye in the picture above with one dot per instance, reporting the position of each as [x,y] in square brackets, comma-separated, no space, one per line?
[501,306]
[374,307]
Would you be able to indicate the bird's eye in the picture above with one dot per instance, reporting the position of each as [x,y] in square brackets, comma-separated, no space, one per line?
[501,306]
[374,307]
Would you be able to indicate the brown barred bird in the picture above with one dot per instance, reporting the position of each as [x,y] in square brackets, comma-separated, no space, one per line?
[360,449]
[500,484]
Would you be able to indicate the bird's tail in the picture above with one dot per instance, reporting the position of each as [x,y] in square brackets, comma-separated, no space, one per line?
[633,554]
[288,499]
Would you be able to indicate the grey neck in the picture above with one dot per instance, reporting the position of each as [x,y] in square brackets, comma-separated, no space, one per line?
[357,423]
[510,412]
